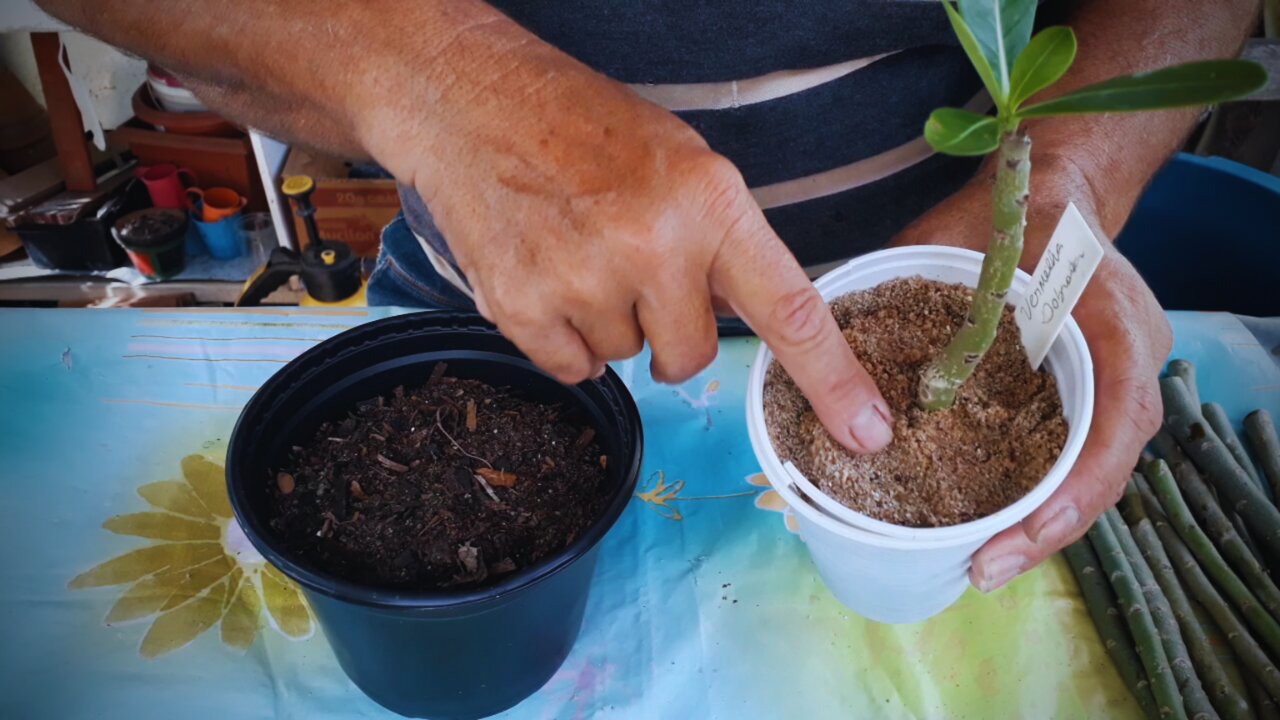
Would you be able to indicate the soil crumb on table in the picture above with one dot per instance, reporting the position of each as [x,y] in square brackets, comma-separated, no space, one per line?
[943,468]
[451,485]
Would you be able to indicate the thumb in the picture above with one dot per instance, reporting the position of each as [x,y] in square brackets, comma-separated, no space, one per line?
[766,287]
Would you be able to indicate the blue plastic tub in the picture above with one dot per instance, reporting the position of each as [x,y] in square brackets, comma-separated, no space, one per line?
[1206,236]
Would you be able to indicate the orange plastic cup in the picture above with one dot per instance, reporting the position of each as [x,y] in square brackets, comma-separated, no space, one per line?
[218,203]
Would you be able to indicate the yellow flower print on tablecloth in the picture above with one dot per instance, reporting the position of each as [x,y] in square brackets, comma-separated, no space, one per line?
[199,571]
[772,501]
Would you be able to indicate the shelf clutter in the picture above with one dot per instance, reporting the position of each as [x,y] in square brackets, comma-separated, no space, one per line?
[179,194]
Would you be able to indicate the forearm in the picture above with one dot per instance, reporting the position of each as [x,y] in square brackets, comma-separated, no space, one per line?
[1116,154]
[310,72]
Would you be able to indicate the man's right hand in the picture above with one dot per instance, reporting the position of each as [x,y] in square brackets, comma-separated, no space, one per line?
[586,219]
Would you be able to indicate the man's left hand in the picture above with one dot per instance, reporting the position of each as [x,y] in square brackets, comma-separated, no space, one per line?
[1129,339]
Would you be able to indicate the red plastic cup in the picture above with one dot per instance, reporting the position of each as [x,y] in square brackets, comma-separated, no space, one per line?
[164,185]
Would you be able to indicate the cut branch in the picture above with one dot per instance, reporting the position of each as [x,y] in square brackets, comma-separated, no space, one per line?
[956,363]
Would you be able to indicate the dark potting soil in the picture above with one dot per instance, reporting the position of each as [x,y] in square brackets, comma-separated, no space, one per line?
[450,485]
[943,468]
[149,228]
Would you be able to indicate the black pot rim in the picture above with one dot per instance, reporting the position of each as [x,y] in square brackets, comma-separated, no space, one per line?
[174,237]
[393,599]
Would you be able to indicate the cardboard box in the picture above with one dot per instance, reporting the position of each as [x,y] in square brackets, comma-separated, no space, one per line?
[349,211]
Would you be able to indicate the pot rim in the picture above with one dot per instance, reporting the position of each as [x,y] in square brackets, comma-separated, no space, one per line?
[800,493]
[179,232]
[341,345]
[204,123]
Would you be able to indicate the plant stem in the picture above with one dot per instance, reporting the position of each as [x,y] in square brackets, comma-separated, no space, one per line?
[1221,424]
[1238,493]
[1261,430]
[1180,517]
[1262,703]
[1220,530]
[1138,615]
[1195,701]
[1217,418]
[1186,370]
[1130,505]
[1100,600]
[1251,655]
[944,376]
[1235,674]
[1214,678]
[1204,503]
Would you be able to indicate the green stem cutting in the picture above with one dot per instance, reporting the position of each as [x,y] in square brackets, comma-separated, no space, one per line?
[943,378]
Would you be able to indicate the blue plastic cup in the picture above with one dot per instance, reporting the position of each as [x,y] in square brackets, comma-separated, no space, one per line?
[222,238]
[193,241]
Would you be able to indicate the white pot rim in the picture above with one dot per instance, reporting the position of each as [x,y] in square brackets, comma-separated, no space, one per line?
[803,496]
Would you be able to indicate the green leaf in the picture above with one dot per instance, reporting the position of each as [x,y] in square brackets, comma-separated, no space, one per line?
[959,132]
[1002,29]
[1042,64]
[974,51]
[1193,84]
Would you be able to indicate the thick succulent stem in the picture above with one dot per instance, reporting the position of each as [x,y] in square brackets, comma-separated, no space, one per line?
[1236,491]
[1134,606]
[1213,676]
[1203,501]
[1266,627]
[1186,370]
[1195,700]
[1261,430]
[1265,707]
[944,376]
[1217,526]
[1217,418]
[1100,600]
[1130,505]
[1247,649]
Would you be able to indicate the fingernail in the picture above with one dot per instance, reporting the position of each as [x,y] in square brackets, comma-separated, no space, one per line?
[1057,528]
[873,428]
[599,372]
[1000,571]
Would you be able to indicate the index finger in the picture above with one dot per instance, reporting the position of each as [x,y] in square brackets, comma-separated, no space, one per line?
[760,279]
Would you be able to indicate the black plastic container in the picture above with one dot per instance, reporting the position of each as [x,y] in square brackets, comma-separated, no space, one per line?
[72,231]
[155,240]
[464,654]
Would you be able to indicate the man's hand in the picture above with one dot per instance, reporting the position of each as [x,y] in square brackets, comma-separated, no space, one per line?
[1128,338]
[588,221]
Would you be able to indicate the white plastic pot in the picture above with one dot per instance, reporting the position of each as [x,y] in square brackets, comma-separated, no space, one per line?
[891,573]
[172,97]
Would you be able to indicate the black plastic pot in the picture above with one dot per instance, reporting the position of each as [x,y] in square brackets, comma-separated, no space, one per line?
[464,654]
[155,240]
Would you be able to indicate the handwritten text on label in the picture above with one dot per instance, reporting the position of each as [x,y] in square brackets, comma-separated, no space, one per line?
[1070,258]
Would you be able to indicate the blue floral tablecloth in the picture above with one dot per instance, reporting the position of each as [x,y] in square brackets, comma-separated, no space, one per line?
[113,429]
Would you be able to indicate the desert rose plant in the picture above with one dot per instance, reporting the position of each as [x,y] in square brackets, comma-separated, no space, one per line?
[1014,67]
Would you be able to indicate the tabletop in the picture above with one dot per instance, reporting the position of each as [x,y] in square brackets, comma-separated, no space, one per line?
[704,603]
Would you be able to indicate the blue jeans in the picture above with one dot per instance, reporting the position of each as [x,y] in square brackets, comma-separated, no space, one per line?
[403,277]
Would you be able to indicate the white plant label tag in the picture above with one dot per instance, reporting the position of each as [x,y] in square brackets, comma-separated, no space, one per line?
[1070,258]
